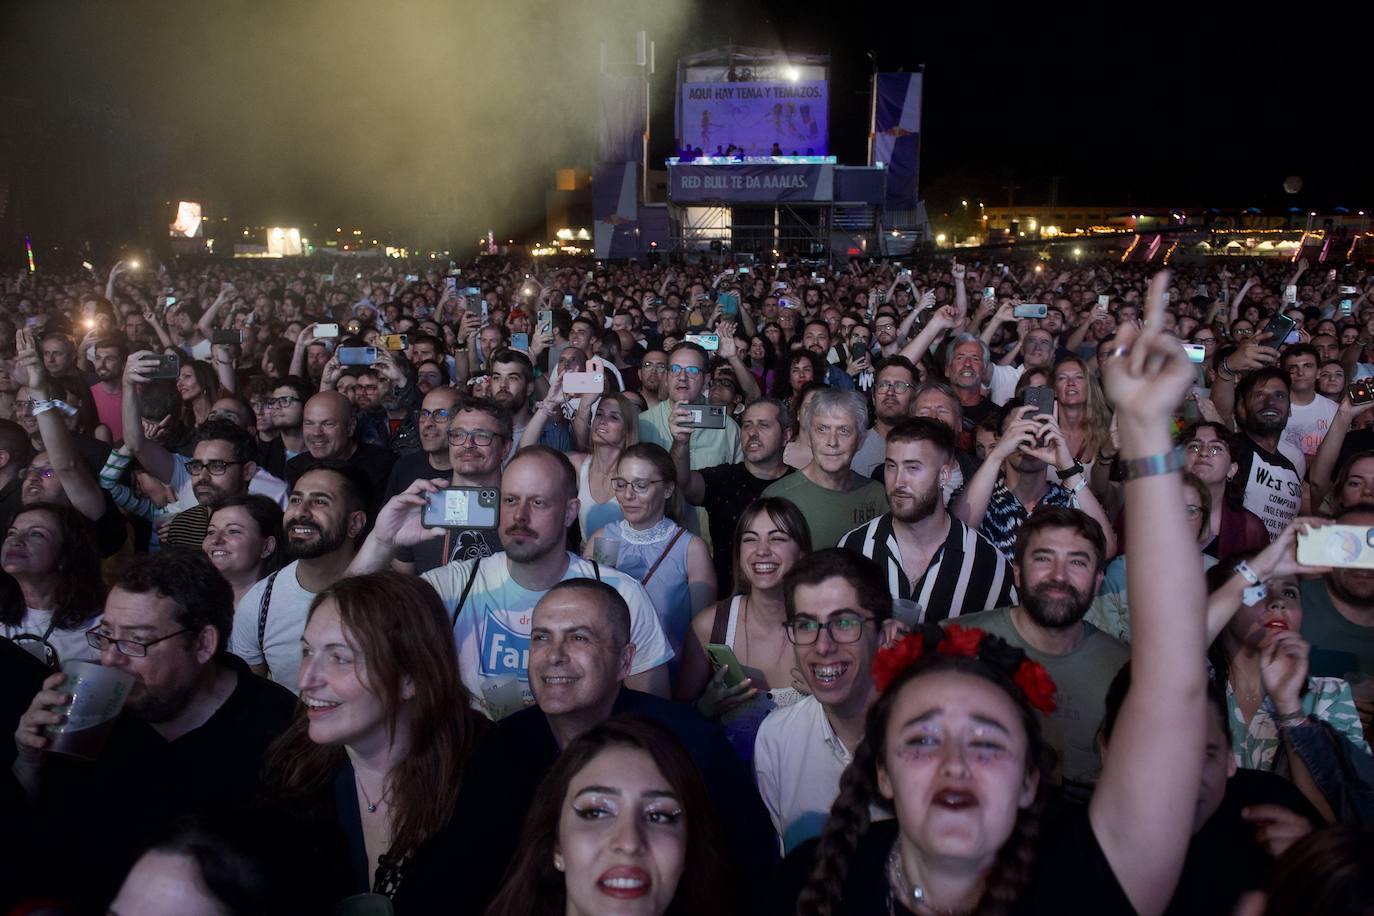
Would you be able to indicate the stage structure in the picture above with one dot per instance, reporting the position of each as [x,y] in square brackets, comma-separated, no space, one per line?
[753,174]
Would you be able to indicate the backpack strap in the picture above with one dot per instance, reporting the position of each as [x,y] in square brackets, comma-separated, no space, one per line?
[263,607]
[463,596]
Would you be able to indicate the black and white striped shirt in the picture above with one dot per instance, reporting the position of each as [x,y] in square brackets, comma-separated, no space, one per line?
[966,575]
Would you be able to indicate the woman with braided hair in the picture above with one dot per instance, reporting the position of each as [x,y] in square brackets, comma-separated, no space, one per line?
[952,747]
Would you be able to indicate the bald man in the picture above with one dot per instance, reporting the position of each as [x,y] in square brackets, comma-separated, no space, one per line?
[329,428]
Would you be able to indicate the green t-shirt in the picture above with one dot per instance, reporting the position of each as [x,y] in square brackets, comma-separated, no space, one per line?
[1081,679]
[831,514]
[1339,647]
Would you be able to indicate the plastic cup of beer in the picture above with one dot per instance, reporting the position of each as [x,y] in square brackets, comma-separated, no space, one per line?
[98,694]
[606,550]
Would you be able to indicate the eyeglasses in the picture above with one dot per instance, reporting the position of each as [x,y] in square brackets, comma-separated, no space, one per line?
[441,414]
[1204,340]
[890,385]
[479,437]
[285,400]
[45,473]
[690,370]
[1198,448]
[216,467]
[846,628]
[130,647]
[618,484]
[656,367]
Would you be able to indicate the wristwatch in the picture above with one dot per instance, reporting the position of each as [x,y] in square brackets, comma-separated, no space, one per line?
[1066,473]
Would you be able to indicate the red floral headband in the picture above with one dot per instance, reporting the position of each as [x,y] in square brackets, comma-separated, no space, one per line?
[1034,681]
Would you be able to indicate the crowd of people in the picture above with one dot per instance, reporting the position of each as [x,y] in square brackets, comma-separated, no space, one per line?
[514,587]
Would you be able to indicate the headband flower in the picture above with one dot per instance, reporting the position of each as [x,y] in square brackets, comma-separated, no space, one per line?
[969,642]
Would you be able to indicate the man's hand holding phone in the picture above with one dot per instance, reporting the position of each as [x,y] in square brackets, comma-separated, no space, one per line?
[400,522]
[680,424]
[719,699]
[1254,353]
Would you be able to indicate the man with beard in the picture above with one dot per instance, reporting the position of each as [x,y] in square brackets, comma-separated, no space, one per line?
[325,517]
[653,374]
[512,379]
[190,738]
[1060,556]
[474,442]
[1338,616]
[490,600]
[816,338]
[893,388]
[726,490]
[110,353]
[1272,484]
[929,555]
[329,426]
[967,368]
[387,415]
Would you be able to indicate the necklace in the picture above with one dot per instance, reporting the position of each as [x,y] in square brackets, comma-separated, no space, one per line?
[896,877]
[371,805]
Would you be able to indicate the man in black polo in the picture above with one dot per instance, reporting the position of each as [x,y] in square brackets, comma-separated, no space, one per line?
[930,556]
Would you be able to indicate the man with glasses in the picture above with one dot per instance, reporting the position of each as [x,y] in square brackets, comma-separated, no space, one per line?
[687,377]
[191,736]
[431,459]
[839,613]
[653,377]
[893,389]
[325,518]
[490,600]
[285,406]
[474,444]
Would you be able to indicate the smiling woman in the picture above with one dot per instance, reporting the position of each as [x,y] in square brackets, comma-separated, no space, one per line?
[621,824]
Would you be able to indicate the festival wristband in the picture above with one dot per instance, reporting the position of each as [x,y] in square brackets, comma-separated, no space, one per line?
[1151,465]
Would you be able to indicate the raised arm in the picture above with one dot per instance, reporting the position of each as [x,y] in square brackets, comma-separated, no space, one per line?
[77,481]
[206,325]
[1322,471]
[155,459]
[1142,811]
[398,525]
[971,503]
[940,323]
[748,384]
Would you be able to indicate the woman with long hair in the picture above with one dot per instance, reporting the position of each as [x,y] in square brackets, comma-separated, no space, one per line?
[244,539]
[1081,408]
[653,545]
[761,359]
[799,368]
[953,749]
[621,823]
[612,423]
[49,553]
[199,388]
[771,537]
[386,729]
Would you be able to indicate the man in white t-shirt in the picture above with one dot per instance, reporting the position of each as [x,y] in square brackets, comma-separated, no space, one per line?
[493,598]
[325,514]
[1310,414]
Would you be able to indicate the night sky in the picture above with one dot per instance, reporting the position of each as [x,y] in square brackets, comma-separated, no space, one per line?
[346,111]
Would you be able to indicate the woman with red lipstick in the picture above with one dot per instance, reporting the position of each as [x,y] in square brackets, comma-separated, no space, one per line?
[621,826]
[374,765]
[953,747]
[1263,660]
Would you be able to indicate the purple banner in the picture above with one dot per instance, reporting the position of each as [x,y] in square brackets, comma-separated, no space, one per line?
[751,182]
[897,135]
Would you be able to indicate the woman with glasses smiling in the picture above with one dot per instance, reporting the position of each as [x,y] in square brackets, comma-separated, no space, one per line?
[614,427]
[50,555]
[651,544]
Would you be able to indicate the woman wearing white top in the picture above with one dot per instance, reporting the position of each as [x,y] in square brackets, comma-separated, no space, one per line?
[614,428]
[50,555]
[771,537]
